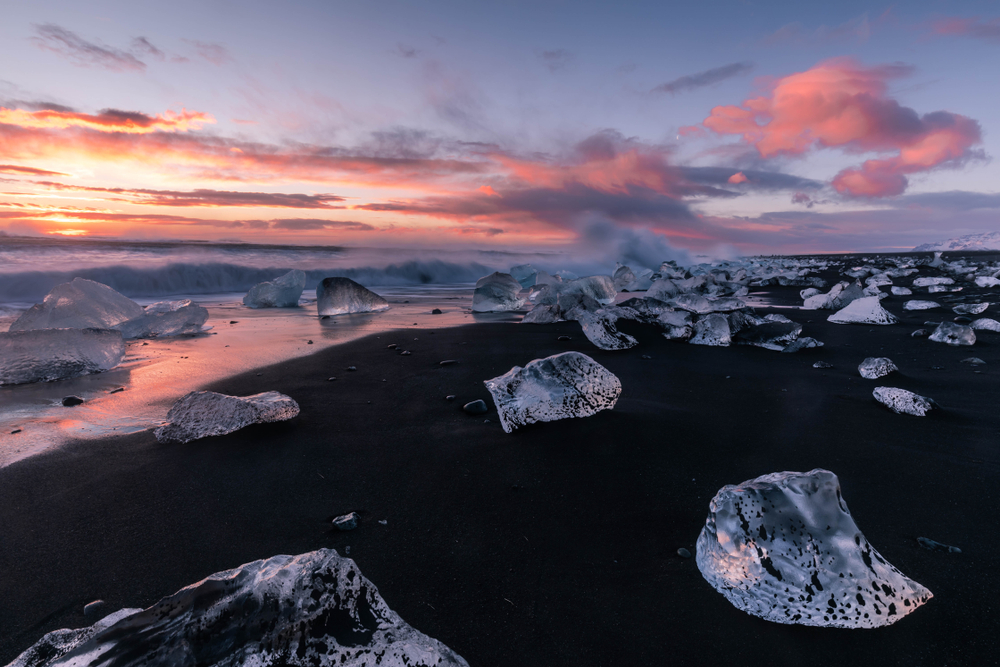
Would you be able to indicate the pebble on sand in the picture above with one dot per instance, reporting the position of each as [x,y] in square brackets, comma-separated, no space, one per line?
[477,407]
[70,401]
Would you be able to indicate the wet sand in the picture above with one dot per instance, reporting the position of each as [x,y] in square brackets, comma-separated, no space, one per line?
[555,545]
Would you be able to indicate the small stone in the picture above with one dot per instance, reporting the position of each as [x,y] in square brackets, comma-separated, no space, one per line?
[822,364]
[436,311]
[414,324]
[477,407]
[920,333]
[148,344]
[70,401]
[259,374]
[117,390]
[93,609]
[234,321]
[450,397]
[331,379]
[975,361]
[448,362]
[346,522]
[564,338]
[309,342]
[486,421]
[683,553]
[405,353]
[933,545]
[347,550]
[646,356]
[352,368]
[16,430]
[392,346]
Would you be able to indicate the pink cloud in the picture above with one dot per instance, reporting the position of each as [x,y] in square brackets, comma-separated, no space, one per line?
[988,29]
[842,104]
[737,178]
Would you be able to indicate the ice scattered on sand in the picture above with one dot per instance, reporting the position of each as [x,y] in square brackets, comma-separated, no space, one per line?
[283,292]
[901,291]
[496,293]
[562,386]
[662,289]
[971,308]
[54,354]
[784,547]
[804,343]
[933,545]
[867,310]
[312,609]
[341,296]
[770,335]
[599,328]
[987,281]
[927,281]
[79,304]
[916,304]
[903,402]
[985,324]
[201,414]
[873,368]
[712,330]
[953,334]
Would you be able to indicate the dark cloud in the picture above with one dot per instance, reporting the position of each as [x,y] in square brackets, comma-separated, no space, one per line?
[759,180]
[311,224]
[201,197]
[81,52]
[557,59]
[38,105]
[145,47]
[953,200]
[405,51]
[706,78]
[27,171]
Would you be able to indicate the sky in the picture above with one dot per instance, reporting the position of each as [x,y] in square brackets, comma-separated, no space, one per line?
[730,127]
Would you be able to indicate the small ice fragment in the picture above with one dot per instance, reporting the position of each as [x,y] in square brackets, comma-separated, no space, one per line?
[201,414]
[873,368]
[987,281]
[599,328]
[562,386]
[383,521]
[476,407]
[771,335]
[346,522]
[283,292]
[866,310]
[933,545]
[901,291]
[903,402]
[804,343]
[784,547]
[822,364]
[45,355]
[917,304]
[341,296]
[971,308]
[974,361]
[496,292]
[953,334]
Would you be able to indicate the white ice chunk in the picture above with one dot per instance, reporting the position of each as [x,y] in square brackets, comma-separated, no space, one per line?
[901,291]
[866,310]
[917,304]
[557,387]
[903,402]
[341,296]
[79,304]
[971,308]
[312,609]
[953,334]
[784,547]
[201,414]
[985,324]
[770,335]
[873,368]
[54,354]
[712,330]
[927,281]
[808,292]
[166,318]
[987,281]
[283,292]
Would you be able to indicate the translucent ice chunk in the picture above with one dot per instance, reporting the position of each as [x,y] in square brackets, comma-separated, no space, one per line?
[166,318]
[54,354]
[953,334]
[622,277]
[496,292]
[312,609]
[712,330]
[663,289]
[917,304]
[599,328]
[600,288]
[769,335]
[341,296]
[643,281]
[557,387]
[866,310]
[903,402]
[873,368]
[201,414]
[283,292]
[524,274]
[985,324]
[542,314]
[784,547]
[79,304]
[804,343]
[971,308]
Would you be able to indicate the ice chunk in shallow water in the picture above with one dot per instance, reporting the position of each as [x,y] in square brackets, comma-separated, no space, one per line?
[903,402]
[564,385]
[953,334]
[784,547]
[79,304]
[283,292]
[312,609]
[866,310]
[201,414]
[495,293]
[873,368]
[917,304]
[54,354]
[341,296]
[166,318]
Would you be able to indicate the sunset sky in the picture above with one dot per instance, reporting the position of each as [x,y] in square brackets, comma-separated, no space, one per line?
[743,126]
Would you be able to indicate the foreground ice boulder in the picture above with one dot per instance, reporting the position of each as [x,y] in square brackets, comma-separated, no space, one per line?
[903,402]
[342,296]
[79,304]
[312,609]
[866,310]
[166,318]
[55,354]
[557,387]
[784,547]
[201,414]
[283,292]
[496,293]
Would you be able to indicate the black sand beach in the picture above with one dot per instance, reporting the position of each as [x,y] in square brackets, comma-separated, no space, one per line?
[555,545]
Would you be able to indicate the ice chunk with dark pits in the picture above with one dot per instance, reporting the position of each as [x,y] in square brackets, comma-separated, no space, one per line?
[562,386]
[784,547]
[874,368]
[951,333]
[312,609]
[342,296]
[904,402]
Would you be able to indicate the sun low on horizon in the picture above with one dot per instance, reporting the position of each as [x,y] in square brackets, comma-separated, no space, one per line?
[764,127]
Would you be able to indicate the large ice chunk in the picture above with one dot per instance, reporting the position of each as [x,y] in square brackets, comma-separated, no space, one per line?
[79,304]
[873,368]
[283,292]
[866,310]
[599,288]
[201,414]
[496,292]
[166,318]
[341,296]
[712,330]
[784,547]
[903,402]
[312,609]
[55,354]
[564,385]
[953,334]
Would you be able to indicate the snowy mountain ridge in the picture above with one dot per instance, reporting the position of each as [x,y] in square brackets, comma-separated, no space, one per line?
[981,241]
